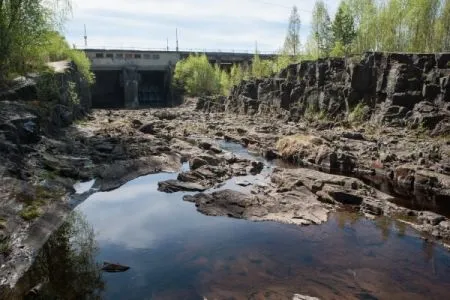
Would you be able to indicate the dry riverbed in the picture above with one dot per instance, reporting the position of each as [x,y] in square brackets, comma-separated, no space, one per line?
[372,171]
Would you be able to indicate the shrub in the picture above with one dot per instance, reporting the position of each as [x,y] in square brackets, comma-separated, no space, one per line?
[83,64]
[261,68]
[56,48]
[338,50]
[197,76]
[236,75]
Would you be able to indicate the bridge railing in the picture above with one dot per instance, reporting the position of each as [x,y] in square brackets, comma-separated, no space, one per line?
[192,50]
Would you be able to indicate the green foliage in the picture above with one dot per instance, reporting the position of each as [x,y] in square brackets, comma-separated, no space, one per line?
[292,41]
[338,49]
[358,114]
[343,29]
[33,202]
[321,29]
[225,83]
[24,28]
[74,99]
[261,68]
[56,48]
[312,112]
[30,212]
[236,75]
[5,247]
[83,64]
[364,13]
[442,28]
[197,76]
[283,60]
[381,25]
[47,87]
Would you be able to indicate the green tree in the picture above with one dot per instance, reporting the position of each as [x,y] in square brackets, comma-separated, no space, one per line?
[236,75]
[442,37]
[292,41]
[421,20]
[367,25]
[23,28]
[338,50]
[260,67]
[283,60]
[343,28]
[321,26]
[394,32]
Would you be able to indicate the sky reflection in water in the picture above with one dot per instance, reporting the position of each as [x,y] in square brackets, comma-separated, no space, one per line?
[177,253]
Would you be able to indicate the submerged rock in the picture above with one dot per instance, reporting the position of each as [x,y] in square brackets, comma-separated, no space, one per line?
[114,268]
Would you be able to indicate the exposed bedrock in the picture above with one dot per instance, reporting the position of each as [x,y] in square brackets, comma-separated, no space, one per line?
[384,118]
[388,88]
[305,197]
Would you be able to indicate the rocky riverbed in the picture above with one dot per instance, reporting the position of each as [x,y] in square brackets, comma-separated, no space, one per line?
[371,168]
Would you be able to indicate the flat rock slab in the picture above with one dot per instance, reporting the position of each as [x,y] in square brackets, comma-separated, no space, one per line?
[299,207]
[173,186]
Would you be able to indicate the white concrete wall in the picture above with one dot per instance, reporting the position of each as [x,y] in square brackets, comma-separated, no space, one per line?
[120,59]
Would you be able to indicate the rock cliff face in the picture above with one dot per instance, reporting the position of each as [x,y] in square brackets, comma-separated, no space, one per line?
[394,88]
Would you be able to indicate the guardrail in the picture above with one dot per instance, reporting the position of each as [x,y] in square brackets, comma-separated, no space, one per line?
[194,50]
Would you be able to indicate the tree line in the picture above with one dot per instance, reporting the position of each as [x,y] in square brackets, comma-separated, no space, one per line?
[377,25]
[357,26]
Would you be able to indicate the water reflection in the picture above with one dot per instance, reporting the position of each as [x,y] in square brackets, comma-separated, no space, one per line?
[176,253]
[66,266]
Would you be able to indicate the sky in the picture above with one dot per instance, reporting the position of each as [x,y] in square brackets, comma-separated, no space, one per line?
[224,25]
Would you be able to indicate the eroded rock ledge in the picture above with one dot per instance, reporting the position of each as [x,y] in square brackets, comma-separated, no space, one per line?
[385,88]
[304,197]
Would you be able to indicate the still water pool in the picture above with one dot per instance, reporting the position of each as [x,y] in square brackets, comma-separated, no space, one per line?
[174,252]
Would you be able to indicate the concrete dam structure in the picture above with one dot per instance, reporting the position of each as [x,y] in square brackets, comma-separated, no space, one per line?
[134,78]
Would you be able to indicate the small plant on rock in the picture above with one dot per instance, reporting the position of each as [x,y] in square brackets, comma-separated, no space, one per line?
[30,212]
[359,113]
[74,99]
[47,87]
[5,247]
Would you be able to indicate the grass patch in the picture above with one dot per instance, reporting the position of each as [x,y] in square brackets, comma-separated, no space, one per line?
[296,147]
[30,212]
[81,122]
[405,218]
[34,201]
[359,113]
[313,113]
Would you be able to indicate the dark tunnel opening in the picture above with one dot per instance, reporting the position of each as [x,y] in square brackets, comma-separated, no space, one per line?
[153,88]
[108,91]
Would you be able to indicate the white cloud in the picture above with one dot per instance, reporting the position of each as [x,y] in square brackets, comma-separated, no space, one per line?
[202,24]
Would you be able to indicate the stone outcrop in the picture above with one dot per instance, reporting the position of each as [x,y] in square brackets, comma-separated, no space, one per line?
[394,88]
